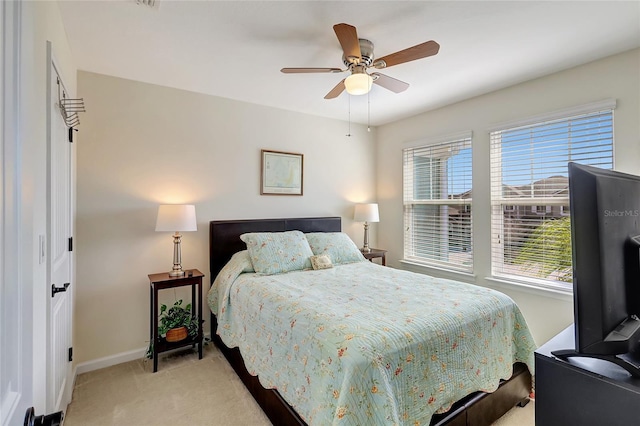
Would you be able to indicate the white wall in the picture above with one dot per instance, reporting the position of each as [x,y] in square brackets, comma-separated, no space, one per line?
[141,145]
[41,23]
[614,77]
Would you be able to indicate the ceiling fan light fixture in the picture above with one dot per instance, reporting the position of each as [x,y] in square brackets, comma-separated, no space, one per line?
[358,84]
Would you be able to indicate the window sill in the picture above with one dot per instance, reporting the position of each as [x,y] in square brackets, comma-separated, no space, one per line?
[506,284]
[497,283]
[440,272]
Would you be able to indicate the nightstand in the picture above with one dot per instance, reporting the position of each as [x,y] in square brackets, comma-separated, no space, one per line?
[376,253]
[163,281]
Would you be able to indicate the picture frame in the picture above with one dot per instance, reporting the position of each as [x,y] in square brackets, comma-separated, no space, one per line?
[281,173]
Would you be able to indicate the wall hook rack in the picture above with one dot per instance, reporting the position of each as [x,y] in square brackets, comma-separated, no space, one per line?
[70,109]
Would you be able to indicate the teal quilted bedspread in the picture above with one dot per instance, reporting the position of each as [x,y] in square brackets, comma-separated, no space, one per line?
[363,344]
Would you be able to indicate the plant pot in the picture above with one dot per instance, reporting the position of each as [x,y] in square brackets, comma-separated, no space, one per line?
[176,334]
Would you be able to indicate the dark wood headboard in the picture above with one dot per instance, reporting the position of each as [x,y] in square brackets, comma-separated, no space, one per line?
[224,235]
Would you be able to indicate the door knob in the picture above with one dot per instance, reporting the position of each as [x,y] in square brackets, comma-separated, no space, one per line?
[55,289]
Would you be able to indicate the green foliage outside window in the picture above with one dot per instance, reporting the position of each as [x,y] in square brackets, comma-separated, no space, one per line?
[553,239]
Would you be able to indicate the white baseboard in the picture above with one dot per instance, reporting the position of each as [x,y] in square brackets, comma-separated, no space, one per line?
[108,361]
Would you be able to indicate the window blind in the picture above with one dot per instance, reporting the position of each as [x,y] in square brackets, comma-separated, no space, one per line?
[437,204]
[530,217]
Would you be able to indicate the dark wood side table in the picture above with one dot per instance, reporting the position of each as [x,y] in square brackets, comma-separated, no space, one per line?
[162,281]
[376,253]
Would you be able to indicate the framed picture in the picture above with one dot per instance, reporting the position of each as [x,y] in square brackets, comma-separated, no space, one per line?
[281,173]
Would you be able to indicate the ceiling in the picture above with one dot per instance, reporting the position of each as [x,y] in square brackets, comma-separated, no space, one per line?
[235,49]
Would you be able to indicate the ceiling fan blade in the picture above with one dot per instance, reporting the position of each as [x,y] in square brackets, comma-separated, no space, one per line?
[348,38]
[335,92]
[419,51]
[389,83]
[308,70]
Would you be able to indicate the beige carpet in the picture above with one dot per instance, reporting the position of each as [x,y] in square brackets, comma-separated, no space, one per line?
[184,391]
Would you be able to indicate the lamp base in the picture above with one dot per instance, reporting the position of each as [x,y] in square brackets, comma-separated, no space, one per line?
[177,271]
[365,247]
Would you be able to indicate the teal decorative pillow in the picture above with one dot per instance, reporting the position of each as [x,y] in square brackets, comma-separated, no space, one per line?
[337,245]
[278,252]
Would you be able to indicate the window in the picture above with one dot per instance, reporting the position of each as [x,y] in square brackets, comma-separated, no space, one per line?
[541,210]
[529,171]
[437,204]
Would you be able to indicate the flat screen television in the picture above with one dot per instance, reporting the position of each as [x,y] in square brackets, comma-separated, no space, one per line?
[605,241]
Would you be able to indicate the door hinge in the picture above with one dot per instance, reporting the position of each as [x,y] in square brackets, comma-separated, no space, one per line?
[70,243]
[70,354]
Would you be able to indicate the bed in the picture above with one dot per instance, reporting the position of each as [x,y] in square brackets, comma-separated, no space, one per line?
[378,377]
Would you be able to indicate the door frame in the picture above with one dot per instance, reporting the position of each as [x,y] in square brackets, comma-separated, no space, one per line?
[16,273]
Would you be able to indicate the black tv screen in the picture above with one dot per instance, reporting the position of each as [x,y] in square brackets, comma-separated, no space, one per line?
[605,230]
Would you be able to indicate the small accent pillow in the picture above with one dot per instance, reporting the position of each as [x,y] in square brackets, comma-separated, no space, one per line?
[337,245]
[278,252]
[321,261]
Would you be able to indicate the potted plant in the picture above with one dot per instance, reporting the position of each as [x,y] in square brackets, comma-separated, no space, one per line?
[175,324]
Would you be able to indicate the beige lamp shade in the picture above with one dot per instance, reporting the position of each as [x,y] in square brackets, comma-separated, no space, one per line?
[176,218]
[366,213]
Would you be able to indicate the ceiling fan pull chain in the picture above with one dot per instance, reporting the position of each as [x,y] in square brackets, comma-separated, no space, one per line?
[349,134]
[368,112]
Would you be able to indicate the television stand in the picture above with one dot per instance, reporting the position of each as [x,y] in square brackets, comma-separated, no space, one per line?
[629,361]
[585,391]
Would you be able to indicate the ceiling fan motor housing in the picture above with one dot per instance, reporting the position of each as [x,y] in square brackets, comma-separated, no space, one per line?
[366,54]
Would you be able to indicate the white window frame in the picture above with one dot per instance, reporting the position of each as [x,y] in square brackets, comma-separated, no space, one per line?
[465,140]
[498,203]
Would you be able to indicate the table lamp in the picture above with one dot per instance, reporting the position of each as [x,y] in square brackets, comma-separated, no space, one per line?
[176,218]
[366,213]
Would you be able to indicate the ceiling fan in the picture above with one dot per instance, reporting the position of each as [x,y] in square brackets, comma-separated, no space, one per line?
[358,58]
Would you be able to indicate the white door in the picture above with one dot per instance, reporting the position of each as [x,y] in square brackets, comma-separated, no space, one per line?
[59,260]
[16,297]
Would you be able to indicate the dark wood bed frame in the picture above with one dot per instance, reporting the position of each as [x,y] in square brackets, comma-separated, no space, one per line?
[476,409]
